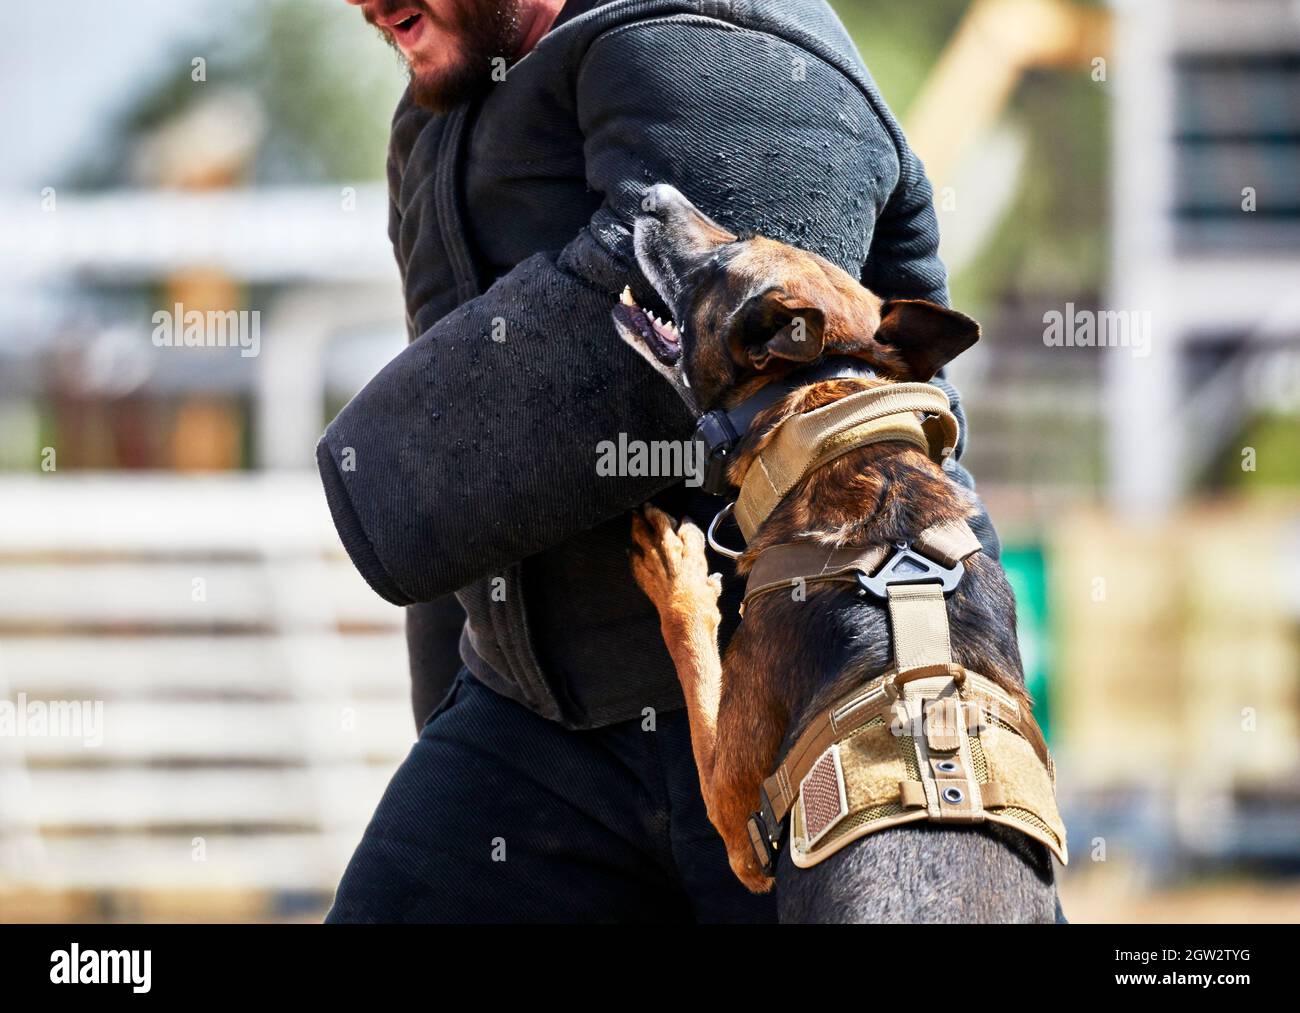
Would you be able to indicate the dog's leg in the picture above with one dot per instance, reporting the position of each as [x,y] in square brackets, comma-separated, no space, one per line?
[670,565]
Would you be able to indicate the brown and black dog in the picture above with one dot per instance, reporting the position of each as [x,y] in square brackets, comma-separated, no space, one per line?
[750,312]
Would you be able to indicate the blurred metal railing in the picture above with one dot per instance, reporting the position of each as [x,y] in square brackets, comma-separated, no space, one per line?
[253,689]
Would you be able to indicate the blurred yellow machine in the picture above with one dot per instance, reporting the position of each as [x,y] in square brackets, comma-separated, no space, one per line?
[997,43]
[1177,662]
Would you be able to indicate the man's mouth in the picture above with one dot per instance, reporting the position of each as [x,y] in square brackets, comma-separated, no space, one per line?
[406,26]
[660,336]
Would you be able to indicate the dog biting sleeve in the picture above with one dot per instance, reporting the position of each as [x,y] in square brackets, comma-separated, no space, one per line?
[468,453]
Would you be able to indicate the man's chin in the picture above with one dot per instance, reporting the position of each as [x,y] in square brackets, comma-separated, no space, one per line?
[441,90]
[470,33]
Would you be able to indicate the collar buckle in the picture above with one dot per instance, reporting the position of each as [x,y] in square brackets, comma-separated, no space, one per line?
[720,430]
[719,438]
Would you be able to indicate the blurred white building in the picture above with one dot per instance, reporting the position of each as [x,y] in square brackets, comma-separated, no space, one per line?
[1206,233]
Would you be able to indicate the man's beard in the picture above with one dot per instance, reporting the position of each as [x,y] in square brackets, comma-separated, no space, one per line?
[484,30]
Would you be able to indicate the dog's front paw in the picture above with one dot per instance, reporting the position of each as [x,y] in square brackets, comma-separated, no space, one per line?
[671,567]
[746,868]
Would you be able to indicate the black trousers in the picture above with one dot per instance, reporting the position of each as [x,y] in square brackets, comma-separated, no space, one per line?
[498,815]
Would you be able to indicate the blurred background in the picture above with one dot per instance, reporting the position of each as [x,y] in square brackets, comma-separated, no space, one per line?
[205,702]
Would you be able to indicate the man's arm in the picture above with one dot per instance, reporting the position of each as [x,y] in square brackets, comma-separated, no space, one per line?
[477,445]
[905,264]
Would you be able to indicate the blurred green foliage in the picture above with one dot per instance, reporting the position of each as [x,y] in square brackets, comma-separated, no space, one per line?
[900,42]
[1275,438]
[327,87]
[1053,237]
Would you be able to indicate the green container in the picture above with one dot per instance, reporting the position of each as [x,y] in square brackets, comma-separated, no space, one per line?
[1026,569]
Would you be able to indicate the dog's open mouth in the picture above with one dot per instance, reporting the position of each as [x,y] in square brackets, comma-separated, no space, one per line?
[660,336]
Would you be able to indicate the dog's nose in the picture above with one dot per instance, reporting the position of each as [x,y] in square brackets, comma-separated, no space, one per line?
[663,200]
[687,224]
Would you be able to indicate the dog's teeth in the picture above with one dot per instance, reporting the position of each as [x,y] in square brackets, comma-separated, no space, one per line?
[626,297]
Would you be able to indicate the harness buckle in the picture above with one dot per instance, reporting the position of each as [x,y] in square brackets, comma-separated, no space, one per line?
[763,850]
[907,566]
[765,834]
[719,437]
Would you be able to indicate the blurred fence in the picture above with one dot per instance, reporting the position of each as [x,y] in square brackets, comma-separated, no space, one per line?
[250,689]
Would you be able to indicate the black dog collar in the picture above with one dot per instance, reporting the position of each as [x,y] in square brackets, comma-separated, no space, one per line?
[720,430]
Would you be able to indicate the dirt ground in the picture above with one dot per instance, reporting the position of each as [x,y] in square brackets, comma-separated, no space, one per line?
[1113,898]
[1248,902]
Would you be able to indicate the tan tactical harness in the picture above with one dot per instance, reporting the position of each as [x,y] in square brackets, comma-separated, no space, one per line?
[928,740]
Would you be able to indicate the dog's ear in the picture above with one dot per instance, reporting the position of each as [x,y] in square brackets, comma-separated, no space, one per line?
[927,335]
[775,327]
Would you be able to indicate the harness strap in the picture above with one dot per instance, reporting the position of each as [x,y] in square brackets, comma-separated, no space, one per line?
[805,442]
[949,542]
[918,617]
[781,567]
[845,717]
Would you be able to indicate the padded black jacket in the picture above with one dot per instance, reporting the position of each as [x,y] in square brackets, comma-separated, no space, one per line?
[468,463]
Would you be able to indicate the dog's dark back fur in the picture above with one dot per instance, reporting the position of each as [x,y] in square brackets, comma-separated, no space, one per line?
[924,873]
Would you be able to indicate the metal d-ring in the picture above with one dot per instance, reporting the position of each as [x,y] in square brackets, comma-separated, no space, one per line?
[722,550]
